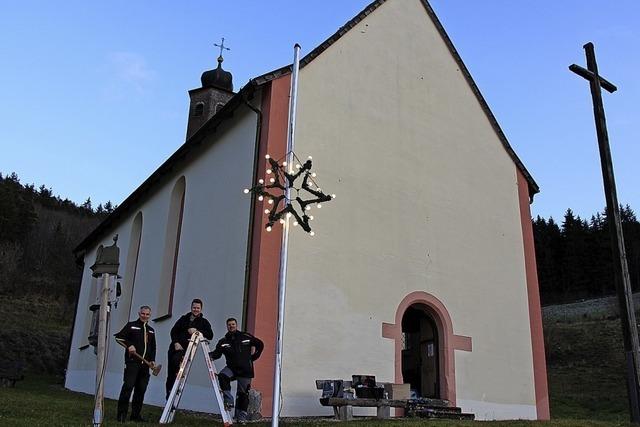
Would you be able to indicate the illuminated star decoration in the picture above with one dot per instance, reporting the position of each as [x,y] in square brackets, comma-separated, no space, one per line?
[274,191]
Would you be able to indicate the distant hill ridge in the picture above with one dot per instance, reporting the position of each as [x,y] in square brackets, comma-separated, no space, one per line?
[596,308]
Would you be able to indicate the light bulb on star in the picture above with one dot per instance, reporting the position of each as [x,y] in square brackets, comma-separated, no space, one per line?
[261,181]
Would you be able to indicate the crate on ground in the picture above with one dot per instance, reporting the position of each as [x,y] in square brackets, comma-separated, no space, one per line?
[398,391]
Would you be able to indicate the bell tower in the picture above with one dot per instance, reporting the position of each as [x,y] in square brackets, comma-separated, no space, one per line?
[206,101]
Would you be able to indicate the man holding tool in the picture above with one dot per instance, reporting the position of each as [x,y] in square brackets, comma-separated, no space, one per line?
[139,340]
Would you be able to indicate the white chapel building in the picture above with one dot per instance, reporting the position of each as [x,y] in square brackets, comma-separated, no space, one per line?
[421,271]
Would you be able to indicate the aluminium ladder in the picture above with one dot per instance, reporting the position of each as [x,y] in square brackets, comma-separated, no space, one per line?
[197,340]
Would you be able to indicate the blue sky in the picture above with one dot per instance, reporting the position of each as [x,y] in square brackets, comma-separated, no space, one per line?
[94,94]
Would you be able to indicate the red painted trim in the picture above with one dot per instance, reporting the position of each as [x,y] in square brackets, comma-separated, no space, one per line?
[533,292]
[448,342]
[262,300]
[461,342]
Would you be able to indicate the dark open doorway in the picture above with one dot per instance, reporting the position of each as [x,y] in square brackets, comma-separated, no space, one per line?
[420,352]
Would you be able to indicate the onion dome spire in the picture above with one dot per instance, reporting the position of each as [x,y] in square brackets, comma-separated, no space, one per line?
[218,78]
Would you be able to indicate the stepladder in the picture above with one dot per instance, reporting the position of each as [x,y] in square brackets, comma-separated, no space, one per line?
[197,341]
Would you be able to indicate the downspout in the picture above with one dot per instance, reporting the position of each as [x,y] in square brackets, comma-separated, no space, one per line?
[254,178]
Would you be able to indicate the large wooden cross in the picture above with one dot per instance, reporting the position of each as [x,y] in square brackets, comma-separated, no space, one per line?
[621,269]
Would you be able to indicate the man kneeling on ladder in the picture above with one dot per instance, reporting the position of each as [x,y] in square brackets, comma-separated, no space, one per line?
[237,349]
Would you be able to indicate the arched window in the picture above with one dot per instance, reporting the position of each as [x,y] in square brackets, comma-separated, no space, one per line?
[219,106]
[171,249]
[131,268]
[199,110]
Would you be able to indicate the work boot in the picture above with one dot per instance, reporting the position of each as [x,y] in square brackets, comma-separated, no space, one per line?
[228,406]
[138,419]
[242,417]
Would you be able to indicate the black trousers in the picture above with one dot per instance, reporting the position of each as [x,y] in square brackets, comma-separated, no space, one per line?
[136,378]
[242,392]
[175,358]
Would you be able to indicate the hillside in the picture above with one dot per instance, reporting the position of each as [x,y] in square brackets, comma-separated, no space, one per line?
[574,258]
[585,361]
[39,278]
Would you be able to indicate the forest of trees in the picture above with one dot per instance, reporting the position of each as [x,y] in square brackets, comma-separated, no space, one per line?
[39,278]
[575,258]
[38,231]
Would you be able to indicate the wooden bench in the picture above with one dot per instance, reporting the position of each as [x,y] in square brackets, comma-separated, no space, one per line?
[343,408]
[10,373]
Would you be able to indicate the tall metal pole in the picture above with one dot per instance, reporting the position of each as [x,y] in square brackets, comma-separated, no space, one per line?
[282,279]
[98,412]
[621,269]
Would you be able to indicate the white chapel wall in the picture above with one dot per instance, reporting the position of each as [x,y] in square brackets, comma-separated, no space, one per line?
[426,201]
[211,260]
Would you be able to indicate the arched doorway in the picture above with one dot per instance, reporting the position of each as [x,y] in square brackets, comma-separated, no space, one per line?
[420,352]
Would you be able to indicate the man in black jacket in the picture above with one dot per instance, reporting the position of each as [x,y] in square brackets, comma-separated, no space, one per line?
[180,335]
[237,349]
[137,337]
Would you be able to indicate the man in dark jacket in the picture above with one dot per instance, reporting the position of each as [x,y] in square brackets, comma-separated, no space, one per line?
[237,347]
[137,337]
[180,335]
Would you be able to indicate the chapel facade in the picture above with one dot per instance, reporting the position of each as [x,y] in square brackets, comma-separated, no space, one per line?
[421,271]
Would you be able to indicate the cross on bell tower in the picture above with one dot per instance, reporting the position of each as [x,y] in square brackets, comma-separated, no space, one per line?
[216,90]
[222,48]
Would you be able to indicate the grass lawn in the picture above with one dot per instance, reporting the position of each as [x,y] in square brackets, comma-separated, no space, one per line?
[584,362]
[43,402]
[586,372]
